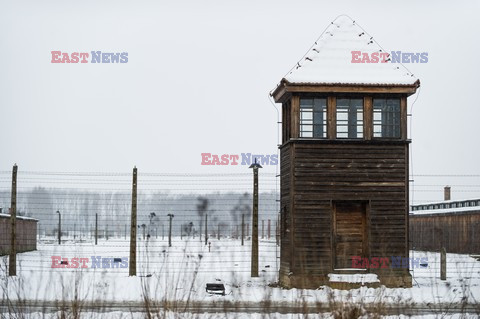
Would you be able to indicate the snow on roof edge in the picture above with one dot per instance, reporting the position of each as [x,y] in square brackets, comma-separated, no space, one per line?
[18,217]
[470,209]
[416,83]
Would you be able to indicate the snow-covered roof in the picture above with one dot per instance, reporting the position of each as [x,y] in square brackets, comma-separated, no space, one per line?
[447,202]
[329,61]
[18,217]
[456,210]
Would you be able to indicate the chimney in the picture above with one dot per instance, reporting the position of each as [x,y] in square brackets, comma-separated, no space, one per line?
[446,193]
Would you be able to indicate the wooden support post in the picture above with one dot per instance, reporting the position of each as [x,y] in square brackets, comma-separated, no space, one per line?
[12,264]
[295,117]
[254,261]
[403,118]
[368,118]
[243,228]
[331,118]
[443,264]
[96,228]
[133,228]
[218,232]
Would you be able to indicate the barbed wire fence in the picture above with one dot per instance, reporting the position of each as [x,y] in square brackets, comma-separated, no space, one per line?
[84,209]
[210,212]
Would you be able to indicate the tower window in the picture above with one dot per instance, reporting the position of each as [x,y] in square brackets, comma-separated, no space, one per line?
[386,118]
[313,118]
[349,118]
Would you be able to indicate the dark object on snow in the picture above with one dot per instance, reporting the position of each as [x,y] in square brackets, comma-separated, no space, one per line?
[63,262]
[117,260]
[215,289]
[424,265]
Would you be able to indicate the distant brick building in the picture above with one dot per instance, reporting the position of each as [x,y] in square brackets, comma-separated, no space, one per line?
[26,234]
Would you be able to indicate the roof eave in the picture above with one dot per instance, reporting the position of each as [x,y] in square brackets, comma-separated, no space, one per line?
[286,89]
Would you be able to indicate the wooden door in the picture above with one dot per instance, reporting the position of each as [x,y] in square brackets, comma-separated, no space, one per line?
[349,232]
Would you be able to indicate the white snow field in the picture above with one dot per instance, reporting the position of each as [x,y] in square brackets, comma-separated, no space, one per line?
[177,275]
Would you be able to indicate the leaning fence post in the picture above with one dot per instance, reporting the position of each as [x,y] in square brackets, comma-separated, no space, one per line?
[443,264]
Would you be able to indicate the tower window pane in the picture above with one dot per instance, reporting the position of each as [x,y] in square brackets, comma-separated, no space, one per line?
[386,118]
[313,118]
[349,118]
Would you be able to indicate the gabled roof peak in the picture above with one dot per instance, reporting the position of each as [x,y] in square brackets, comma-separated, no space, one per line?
[330,60]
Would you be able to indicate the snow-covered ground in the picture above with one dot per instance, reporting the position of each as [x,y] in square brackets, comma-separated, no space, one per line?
[180,272]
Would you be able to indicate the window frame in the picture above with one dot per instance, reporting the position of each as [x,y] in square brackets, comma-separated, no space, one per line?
[399,119]
[360,119]
[324,118]
[296,126]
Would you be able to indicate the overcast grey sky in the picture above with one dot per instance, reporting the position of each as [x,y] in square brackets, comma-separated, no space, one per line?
[198,77]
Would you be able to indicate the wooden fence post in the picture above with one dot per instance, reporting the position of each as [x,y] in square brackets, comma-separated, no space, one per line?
[206,229]
[12,264]
[254,260]
[133,228]
[170,216]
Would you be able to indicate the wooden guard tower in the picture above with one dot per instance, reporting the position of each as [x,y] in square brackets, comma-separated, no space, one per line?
[344,161]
